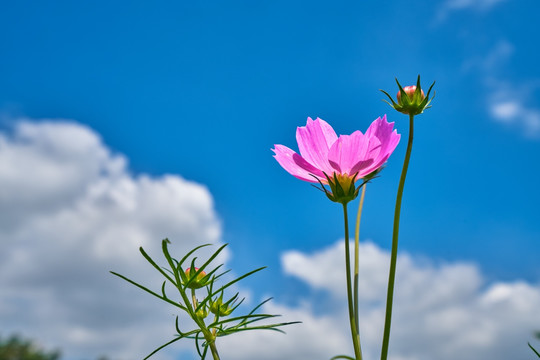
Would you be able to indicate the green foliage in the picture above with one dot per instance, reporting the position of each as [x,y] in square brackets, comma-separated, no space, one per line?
[207,328]
[15,348]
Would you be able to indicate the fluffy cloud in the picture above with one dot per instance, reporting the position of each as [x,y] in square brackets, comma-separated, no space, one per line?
[71,211]
[471,4]
[509,104]
[450,6]
[442,311]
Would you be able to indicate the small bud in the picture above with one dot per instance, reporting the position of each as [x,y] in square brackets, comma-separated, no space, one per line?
[415,102]
[410,90]
[202,313]
[217,307]
[200,281]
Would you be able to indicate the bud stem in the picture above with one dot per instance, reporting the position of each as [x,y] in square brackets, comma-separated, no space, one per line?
[194,298]
[395,235]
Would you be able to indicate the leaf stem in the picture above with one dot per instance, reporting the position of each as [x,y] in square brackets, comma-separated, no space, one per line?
[352,315]
[395,235]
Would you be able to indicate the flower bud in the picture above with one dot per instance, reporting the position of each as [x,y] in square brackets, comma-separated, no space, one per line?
[217,307]
[411,99]
[202,313]
[410,90]
[199,281]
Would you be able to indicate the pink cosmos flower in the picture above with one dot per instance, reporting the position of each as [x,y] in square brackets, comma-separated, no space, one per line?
[347,158]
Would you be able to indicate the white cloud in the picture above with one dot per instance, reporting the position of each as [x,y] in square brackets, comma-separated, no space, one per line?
[442,311]
[471,4]
[509,105]
[71,211]
[450,6]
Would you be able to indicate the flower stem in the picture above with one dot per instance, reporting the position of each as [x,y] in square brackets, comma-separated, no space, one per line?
[213,348]
[395,234]
[194,299]
[352,314]
[356,260]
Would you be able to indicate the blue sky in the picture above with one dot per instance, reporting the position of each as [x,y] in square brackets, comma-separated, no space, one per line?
[203,90]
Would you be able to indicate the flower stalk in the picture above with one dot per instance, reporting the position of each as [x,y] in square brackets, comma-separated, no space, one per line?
[395,236]
[412,101]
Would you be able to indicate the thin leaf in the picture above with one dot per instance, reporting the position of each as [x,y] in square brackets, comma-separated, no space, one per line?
[261,304]
[533,349]
[163,290]
[211,273]
[149,259]
[342,357]
[197,346]
[237,305]
[178,327]
[162,346]
[214,255]
[150,291]
[272,327]
[229,284]
[204,352]
[257,317]
[191,252]
[165,250]
[220,275]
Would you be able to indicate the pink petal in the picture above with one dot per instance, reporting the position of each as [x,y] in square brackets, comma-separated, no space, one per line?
[348,151]
[295,164]
[381,129]
[363,166]
[314,141]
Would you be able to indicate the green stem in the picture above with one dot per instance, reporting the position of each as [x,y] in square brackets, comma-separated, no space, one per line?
[194,298]
[209,336]
[395,234]
[352,315]
[213,349]
[356,260]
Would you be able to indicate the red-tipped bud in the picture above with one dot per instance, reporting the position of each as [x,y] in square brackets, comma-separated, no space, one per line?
[414,103]
[409,90]
[199,281]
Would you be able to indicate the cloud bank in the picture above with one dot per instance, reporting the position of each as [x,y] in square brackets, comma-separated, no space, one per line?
[72,211]
[443,311]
